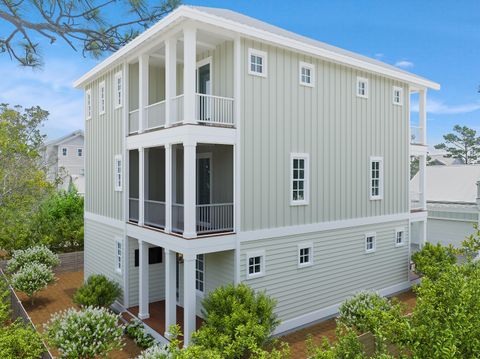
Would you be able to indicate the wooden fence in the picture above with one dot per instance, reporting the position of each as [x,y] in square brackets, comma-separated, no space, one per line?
[69,262]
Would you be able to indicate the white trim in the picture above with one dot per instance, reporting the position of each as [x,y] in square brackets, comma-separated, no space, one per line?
[112,222]
[374,247]
[88,104]
[263,56]
[380,179]
[364,80]
[200,293]
[324,313]
[203,62]
[306,182]
[300,246]
[310,67]
[118,180]
[400,90]
[118,259]
[252,254]
[101,87]
[118,97]
[403,231]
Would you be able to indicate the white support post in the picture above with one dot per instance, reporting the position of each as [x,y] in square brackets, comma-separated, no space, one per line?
[189,297]
[422,115]
[170,77]
[141,186]
[143,92]
[168,188]
[189,190]
[189,67]
[423,233]
[174,174]
[422,172]
[143,310]
[170,290]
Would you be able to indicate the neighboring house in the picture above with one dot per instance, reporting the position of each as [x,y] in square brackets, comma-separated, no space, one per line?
[442,160]
[64,157]
[221,149]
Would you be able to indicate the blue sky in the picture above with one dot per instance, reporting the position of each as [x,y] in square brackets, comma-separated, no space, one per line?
[439,40]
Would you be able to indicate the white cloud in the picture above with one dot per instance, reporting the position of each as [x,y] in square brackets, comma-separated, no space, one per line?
[404,64]
[379,55]
[440,108]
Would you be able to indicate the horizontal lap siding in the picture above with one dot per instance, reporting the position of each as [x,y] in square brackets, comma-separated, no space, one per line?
[341,267]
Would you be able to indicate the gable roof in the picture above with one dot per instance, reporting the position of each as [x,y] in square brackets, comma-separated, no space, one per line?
[60,140]
[251,27]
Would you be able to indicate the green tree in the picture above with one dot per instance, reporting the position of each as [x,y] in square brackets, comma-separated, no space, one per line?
[81,24]
[464,144]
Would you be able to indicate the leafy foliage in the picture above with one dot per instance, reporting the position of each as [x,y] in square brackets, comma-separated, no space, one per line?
[471,245]
[88,333]
[136,331]
[348,346]
[432,259]
[98,291]
[20,341]
[31,278]
[463,144]
[37,254]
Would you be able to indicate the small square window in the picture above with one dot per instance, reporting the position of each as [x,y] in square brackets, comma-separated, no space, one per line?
[370,245]
[80,152]
[64,151]
[307,74]
[305,255]
[257,62]
[398,96]
[399,237]
[362,87]
[255,264]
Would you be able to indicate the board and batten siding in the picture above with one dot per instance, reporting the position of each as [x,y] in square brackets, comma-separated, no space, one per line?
[103,140]
[338,130]
[222,68]
[340,267]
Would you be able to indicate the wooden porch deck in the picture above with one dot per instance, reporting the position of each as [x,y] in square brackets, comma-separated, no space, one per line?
[157,317]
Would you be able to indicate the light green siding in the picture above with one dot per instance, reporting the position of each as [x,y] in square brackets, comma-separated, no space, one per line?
[339,131]
[222,65]
[340,268]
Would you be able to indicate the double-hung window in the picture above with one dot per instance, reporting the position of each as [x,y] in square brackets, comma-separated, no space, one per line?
[118,255]
[257,62]
[307,74]
[376,178]
[118,173]
[88,100]
[101,100]
[80,152]
[299,179]
[398,96]
[370,242]
[305,255]
[399,237]
[362,87]
[64,151]
[255,264]
[118,89]
[200,274]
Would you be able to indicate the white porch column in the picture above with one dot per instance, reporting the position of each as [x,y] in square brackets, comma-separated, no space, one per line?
[189,67]
[189,189]
[168,188]
[141,186]
[422,115]
[189,297]
[143,91]
[170,77]
[422,172]
[143,310]
[170,289]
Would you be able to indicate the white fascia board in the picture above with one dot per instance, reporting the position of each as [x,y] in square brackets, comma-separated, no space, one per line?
[282,41]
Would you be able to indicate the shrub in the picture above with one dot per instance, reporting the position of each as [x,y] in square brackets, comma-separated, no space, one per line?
[431,260]
[31,278]
[136,331]
[347,346]
[20,341]
[38,254]
[98,291]
[156,352]
[88,333]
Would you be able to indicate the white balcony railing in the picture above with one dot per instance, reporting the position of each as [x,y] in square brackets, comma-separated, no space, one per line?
[214,109]
[217,217]
[155,115]
[133,209]
[415,200]
[177,109]
[133,117]
[415,135]
[155,213]
[177,217]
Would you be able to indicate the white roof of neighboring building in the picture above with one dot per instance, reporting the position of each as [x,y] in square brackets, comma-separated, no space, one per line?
[58,141]
[250,27]
[456,183]
[447,161]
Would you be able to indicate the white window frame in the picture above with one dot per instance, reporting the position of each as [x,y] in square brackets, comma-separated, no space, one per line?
[359,80]
[81,151]
[380,179]
[400,96]
[261,54]
[118,255]
[374,236]
[308,246]
[199,292]
[306,182]
[311,67]
[118,174]
[118,93]
[397,231]
[88,104]
[66,151]
[254,254]
[102,102]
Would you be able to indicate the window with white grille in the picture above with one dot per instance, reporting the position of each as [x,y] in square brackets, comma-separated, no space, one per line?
[307,74]
[397,95]
[118,89]
[362,87]
[376,178]
[118,255]
[299,179]
[255,264]
[305,254]
[118,173]
[257,62]
[370,242]
[200,274]
[101,100]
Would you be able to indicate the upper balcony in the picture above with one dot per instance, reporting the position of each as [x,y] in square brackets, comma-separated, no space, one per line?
[185,79]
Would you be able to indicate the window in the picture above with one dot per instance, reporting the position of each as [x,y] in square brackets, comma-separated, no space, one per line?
[79,152]
[257,62]
[118,173]
[307,74]
[64,151]
[362,87]
[255,264]
[88,100]
[299,179]
[370,244]
[118,255]
[118,89]
[397,95]
[376,178]
[154,256]
[305,255]
[399,237]
[101,100]
[200,274]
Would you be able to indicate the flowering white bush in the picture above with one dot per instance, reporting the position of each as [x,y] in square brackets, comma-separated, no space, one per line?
[39,254]
[156,352]
[31,278]
[87,333]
